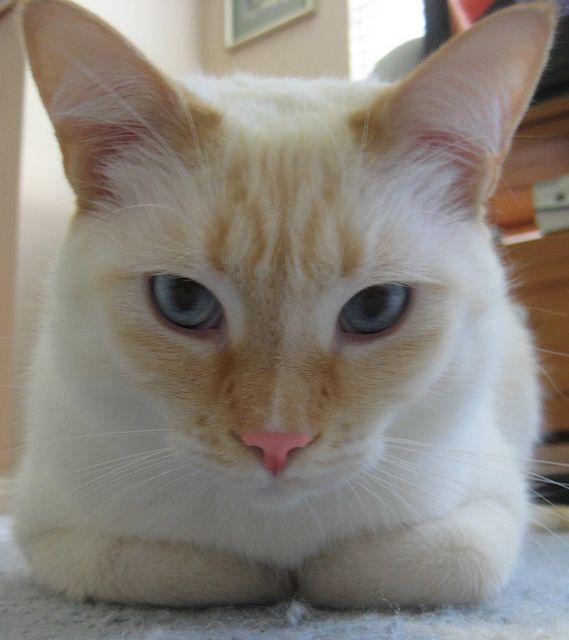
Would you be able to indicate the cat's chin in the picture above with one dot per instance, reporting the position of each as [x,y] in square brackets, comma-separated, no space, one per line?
[283,493]
[279,494]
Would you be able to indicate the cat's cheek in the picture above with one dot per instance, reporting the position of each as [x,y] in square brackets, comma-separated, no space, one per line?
[200,340]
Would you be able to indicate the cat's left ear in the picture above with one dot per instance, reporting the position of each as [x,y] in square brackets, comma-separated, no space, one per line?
[104,97]
[464,103]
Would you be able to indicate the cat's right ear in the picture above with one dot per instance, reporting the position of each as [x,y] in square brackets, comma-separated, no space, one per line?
[103,96]
[461,106]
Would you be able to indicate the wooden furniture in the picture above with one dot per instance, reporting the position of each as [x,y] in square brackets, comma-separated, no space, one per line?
[540,270]
[539,264]
[540,152]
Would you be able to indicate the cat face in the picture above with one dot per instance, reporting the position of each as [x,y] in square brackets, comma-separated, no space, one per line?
[285,233]
[277,256]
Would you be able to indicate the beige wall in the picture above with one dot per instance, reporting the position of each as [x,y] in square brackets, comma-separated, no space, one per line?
[11,75]
[314,45]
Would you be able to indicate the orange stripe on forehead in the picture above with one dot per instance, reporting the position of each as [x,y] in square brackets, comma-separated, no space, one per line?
[282,212]
[369,127]
[310,240]
[258,246]
[351,251]
[218,241]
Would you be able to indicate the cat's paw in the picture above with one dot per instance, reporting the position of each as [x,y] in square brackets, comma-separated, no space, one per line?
[465,558]
[86,565]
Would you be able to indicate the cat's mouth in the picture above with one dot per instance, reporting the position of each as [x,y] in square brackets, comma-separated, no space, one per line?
[293,487]
[278,493]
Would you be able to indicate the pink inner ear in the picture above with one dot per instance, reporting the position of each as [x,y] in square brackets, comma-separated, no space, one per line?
[459,151]
[468,160]
[88,148]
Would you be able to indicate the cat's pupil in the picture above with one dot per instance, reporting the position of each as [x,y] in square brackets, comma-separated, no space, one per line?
[374,309]
[185,303]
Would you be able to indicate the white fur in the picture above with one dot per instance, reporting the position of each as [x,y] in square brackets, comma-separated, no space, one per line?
[444,527]
[461,405]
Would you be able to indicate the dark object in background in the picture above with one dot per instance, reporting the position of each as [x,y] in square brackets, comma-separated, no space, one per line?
[555,80]
[552,489]
[437,24]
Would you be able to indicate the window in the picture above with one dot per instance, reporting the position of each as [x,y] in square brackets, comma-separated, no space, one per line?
[376,27]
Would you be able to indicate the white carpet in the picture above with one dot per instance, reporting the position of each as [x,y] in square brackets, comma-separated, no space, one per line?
[534,607]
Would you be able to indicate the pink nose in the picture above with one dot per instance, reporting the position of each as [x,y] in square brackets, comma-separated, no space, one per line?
[275,446]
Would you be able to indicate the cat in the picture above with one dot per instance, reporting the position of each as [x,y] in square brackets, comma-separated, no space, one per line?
[279,356]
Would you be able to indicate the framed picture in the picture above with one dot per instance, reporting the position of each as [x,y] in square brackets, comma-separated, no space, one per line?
[248,19]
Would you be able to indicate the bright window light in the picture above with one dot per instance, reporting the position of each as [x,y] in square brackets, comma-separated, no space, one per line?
[376,27]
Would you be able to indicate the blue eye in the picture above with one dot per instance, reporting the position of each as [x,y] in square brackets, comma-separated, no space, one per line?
[185,303]
[374,309]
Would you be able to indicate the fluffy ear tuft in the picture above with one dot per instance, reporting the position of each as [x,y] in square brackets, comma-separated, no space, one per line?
[102,95]
[465,102]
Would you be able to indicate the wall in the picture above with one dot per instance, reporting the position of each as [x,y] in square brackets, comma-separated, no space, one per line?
[314,45]
[10,120]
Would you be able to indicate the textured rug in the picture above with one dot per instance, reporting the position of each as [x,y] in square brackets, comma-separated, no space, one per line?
[535,606]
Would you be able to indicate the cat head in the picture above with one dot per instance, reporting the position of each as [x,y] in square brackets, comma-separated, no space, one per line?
[260,256]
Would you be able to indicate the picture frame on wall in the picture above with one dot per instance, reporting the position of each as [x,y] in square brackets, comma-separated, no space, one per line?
[249,19]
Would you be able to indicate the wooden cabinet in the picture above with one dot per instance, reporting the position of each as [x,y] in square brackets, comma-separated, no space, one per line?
[540,151]
[540,273]
[539,265]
